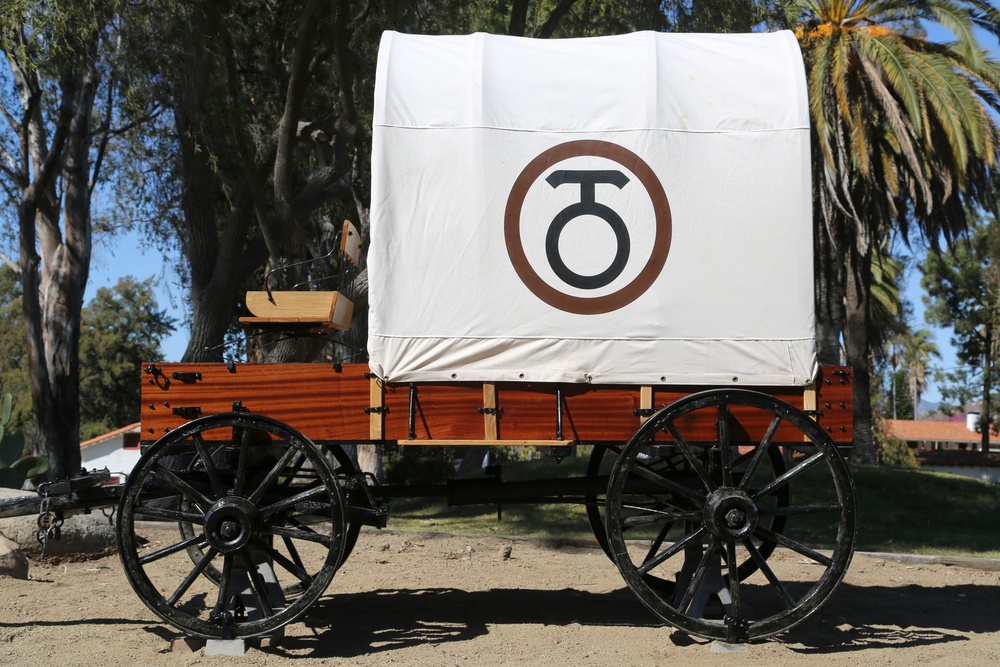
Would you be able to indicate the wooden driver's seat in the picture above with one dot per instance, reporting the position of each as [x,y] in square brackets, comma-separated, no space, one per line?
[319,311]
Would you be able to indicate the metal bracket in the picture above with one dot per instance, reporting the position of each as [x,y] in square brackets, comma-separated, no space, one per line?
[380,410]
[189,412]
[186,377]
[644,412]
[490,411]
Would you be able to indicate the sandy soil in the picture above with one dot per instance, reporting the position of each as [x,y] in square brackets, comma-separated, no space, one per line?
[415,599]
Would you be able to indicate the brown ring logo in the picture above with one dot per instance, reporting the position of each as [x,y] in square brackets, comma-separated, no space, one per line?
[661,241]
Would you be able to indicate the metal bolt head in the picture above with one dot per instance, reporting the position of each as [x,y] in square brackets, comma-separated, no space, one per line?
[229,530]
[735,518]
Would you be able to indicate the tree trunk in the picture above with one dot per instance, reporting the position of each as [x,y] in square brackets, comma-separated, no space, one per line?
[985,421]
[55,261]
[858,292]
[829,270]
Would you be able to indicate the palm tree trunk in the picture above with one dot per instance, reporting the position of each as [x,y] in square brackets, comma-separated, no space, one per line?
[828,267]
[985,424]
[858,291]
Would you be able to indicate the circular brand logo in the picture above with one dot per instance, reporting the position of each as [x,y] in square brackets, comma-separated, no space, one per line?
[598,266]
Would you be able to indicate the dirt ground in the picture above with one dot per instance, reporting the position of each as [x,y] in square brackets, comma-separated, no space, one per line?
[418,599]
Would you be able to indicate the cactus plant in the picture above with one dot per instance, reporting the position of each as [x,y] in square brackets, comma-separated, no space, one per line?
[15,467]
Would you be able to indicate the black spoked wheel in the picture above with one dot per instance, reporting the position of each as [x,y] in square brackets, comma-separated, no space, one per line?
[343,469]
[733,546]
[672,463]
[264,509]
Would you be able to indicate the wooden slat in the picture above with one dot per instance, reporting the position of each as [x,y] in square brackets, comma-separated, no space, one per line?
[377,400]
[294,306]
[492,431]
[488,443]
[328,311]
[645,401]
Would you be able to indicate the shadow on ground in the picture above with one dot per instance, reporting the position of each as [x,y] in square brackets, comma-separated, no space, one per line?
[855,618]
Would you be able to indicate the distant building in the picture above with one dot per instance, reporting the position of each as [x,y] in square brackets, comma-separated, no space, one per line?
[937,434]
[118,451]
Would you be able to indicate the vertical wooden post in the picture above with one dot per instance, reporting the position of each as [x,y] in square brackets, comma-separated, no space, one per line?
[645,401]
[376,399]
[491,421]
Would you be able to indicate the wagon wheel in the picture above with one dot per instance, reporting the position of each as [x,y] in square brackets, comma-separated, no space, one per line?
[674,464]
[266,510]
[343,468]
[720,516]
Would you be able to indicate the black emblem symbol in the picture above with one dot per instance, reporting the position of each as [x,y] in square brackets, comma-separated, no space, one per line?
[588,205]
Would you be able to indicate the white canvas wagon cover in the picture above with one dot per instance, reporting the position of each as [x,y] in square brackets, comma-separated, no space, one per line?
[616,210]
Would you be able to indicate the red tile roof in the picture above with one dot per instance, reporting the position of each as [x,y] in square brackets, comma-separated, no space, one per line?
[101,438]
[928,431]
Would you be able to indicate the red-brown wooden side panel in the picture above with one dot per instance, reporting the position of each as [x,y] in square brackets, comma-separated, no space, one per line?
[835,399]
[442,412]
[746,425]
[316,399]
[589,413]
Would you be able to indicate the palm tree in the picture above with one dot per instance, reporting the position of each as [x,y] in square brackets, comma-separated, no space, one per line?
[918,348]
[902,137]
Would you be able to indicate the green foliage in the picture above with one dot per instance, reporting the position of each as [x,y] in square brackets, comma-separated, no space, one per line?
[121,328]
[963,292]
[13,351]
[15,467]
[893,451]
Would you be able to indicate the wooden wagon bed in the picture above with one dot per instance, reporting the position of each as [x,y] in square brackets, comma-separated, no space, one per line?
[346,403]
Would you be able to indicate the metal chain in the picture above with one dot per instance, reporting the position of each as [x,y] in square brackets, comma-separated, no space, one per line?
[49,523]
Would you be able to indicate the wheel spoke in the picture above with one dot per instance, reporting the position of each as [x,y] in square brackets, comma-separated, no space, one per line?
[760,452]
[670,551]
[689,455]
[197,497]
[172,549]
[769,573]
[272,474]
[257,585]
[734,579]
[655,545]
[801,509]
[781,480]
[696,579]
[213,472]
[307,535]
[224,582]
[145,511]
[661,517]
[294,568]
[192,575]
[667,483]
[243,462]
[725,454]
[291,501]
[798,547]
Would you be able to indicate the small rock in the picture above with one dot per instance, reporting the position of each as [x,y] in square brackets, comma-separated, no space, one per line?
[12,561]
[505,552]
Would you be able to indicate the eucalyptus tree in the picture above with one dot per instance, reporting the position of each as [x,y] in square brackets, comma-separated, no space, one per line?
[903,138]
[59,94]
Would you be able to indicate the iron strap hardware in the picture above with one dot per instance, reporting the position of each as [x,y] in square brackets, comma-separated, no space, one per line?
[188,412]
[379,410]
[186,378]
[490,411]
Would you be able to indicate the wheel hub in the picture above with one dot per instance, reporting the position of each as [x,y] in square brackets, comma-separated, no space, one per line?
[730,514]
[231,523]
